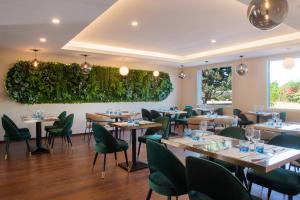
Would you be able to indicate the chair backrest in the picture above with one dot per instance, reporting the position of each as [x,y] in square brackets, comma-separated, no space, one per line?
[11,131]
[286,140]
[61,117]
[233,132]
[236,112]
[67,124]
[162,160]
[189,110]
[203,176]
[163,130]
[282,116]
[146,115]
[154,114]
[11,121]
[219,111]
[104,138]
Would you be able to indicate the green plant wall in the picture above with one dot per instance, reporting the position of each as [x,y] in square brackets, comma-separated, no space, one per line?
[64,83]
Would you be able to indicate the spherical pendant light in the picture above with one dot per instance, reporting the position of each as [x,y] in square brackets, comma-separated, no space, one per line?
[242,68]
[181,74]
[35,61]
[267,14]
[289,63]
[124,70]
[156,73]
[86,68]
[205,72]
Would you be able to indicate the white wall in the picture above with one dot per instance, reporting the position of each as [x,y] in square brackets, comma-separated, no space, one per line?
[16,110]
[248,90]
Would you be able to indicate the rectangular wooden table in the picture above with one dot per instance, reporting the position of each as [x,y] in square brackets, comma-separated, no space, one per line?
[172,112]
[134,164]
[38,123]
[259,114]
[274,156]
[212,117]
[285,127]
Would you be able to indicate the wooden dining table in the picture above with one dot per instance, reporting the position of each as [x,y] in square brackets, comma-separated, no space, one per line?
[259,115]
[38,124]
[285,127]
[212,118]
[272,158]
[134,164]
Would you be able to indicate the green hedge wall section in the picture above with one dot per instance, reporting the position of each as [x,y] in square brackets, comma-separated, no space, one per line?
[64,83]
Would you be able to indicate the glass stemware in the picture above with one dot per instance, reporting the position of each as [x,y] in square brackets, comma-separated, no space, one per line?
[249,133]
[256,136]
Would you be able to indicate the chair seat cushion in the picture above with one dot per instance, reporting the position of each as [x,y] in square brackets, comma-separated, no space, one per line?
[280,180]
[160,184]
[154,137]
[122,144]
[194,195]
[25,135]
[58,132]
[101,148]
[47,128]
[23,129]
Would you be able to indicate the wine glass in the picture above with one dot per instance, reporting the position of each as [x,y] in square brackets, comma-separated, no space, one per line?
[256,136]
[249,133]
[203,126]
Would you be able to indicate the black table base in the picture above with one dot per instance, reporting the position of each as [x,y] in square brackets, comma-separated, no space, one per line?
[40,149]
[133,167]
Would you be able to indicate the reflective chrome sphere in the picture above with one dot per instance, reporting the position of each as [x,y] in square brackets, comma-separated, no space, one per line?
[267,14]
[181,75]
[86,68]
[242,69]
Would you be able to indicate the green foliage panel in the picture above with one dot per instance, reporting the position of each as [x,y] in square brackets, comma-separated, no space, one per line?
[62,83]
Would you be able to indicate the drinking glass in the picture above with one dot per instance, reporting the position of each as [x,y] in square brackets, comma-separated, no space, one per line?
[256,136]
[187,132]
[244,146]
[203,126]
[255,108]
[261,109]
[249,133]
[235,121]
[259,146]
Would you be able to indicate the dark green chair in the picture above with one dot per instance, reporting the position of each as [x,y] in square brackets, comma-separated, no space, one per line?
[182,119]
[156,133]
[282,116]
[207,180]
[154,114]
[243,120]
[146,115]
[57,123]
[13,133]
[281,180]
[219,111]
[167,173]
[65,131]
[105,143]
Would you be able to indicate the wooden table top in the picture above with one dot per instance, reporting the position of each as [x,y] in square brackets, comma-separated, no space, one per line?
[32,119]
[142,125]
[285,127]
[172,112]
[264,114]
[123,115]
[273,157]
[212,117]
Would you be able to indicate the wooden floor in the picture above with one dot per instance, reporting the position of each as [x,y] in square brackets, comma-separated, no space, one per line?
[67,174]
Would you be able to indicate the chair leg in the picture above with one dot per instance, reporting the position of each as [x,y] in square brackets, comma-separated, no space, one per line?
[6,150]
[269,193]
[95,159]
[116,158]
[104,163]
[149,194]
[139,149]
[69,140]
[126,159]
[290,197]
[249,186]
[169,198]
[28,148]
[52,143]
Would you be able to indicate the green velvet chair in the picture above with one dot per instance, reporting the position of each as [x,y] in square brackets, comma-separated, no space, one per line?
[282,116]
[183,118]
[105,143]
[65,131]
[57,123]
[146,115]
[243,120]
[281,180]
[167,173]
[154,114]
[13,133]
[219,111]
[207,180]
[156,133]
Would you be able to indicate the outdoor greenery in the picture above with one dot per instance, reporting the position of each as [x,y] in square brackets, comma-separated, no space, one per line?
[289,92]
[64,83]
[216,84]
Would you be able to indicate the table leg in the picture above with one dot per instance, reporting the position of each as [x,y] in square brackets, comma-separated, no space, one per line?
[116,129]
[257,119]
[240,174]
[40,149]
[134,165]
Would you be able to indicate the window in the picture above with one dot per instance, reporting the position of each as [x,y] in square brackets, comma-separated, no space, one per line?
[215,86]
[284,85]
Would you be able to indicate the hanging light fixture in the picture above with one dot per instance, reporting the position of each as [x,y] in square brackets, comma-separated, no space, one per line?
[86,68]
[205,72]
[35,62]
[124,71]
[288,63]
[242,68]
[155,73]
[267,14]
[181,74]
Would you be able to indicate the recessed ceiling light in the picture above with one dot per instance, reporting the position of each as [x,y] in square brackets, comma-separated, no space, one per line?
[55,21]
[43,40]
[134,23]
[213,41]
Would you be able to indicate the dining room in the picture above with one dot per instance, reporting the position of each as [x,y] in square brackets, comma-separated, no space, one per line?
[139,99]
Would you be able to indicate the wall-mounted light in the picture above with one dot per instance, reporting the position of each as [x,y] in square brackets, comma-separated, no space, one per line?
[156,73]
[35,62]
[124,70]
[86,68]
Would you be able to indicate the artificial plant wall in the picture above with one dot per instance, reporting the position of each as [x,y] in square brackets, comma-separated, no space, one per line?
[63,83]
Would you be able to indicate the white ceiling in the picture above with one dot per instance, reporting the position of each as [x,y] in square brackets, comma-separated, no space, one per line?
[175,31]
